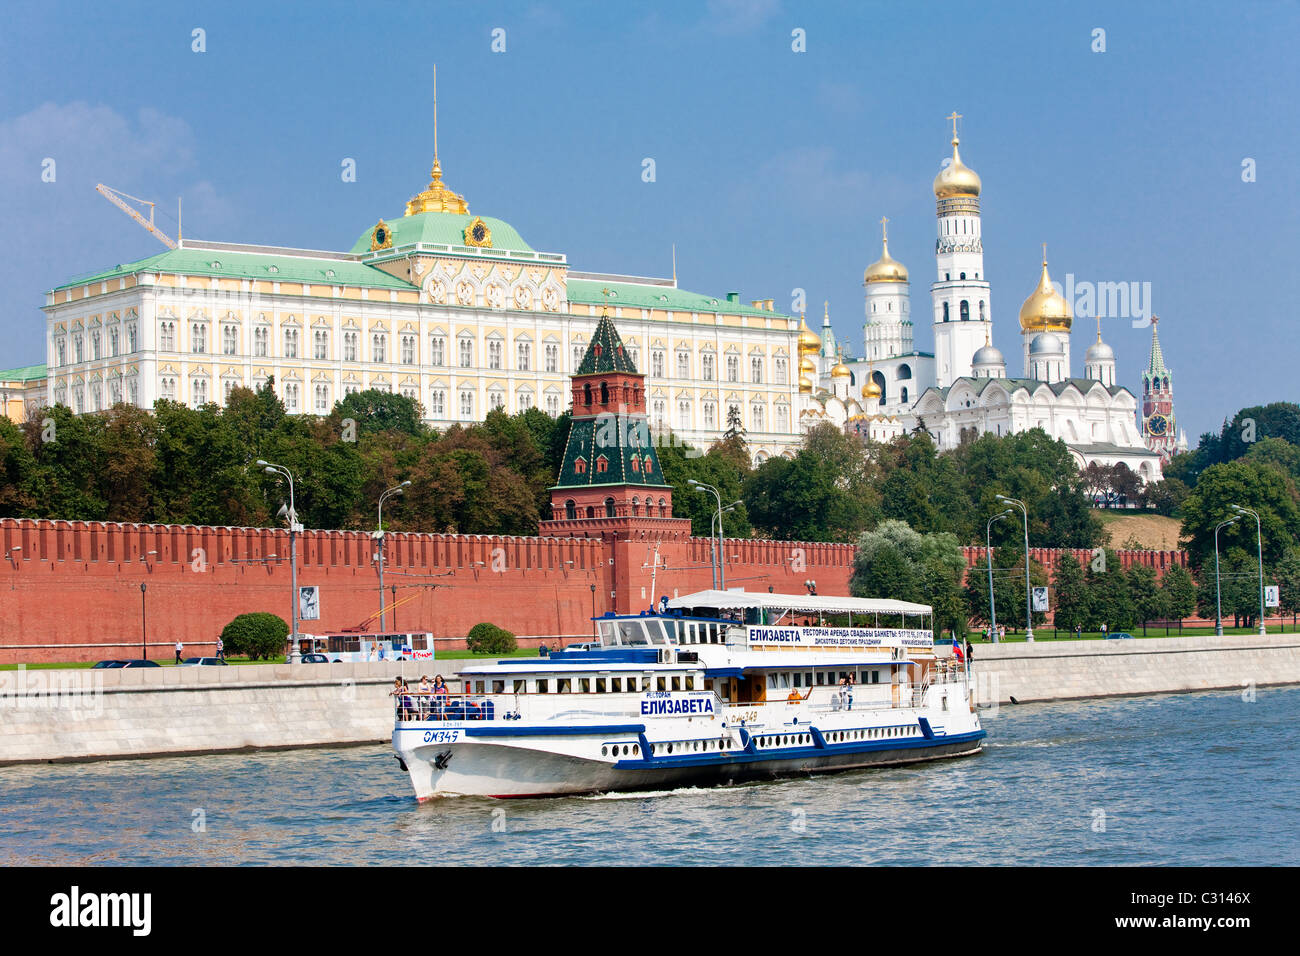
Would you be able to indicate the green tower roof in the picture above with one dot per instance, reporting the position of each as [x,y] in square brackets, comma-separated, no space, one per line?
[605,352]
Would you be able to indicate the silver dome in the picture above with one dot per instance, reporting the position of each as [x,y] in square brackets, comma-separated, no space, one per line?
[988,355]
[1099,351]
[1046,343]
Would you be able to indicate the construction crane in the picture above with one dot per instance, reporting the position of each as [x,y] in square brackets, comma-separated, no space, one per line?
[116,197]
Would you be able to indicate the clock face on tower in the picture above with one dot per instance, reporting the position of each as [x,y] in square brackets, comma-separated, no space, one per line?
[1157,425]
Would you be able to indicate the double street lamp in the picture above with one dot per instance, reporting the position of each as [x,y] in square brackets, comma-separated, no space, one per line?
[1218,593]
[379,538]
[294,528]
[1029,615]
[715,543]
[988,552]
[1259,549]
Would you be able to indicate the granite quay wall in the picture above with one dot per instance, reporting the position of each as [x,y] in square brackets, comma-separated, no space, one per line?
[1067,670]
[71,591]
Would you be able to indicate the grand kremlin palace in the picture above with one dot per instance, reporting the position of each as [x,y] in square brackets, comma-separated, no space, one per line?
[446,307]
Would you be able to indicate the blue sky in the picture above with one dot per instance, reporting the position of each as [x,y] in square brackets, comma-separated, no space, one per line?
[772,167]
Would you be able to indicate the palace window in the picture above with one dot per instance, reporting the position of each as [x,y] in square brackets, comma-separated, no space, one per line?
[945,311]
[408,349]
[133,390]
[782,418]
[659,411]
[683,414]
[524,401]
[168,388]
[981,310]
[61,349]
[756,370]
[437,349]
[496,398]
[130,337]
[166,339]
[523,356]
[494,354]
[466,348]
[322,398]
[112,343]
[320,344]
[733,368]
[710,415]
[290,343]
[552,358]
[291,397]
[96,397]
[577,356]
[553,406]
[683,364]
[756,416]
[657,363]
[229,339]
[782,371]
[261,339]
[466,404]
[437,402]
[198,337]
[706,366]
[378,347]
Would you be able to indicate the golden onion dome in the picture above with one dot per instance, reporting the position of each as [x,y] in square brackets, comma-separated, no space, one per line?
[809,341]
[1046,309]
[807,366]
[885,269]
[805,385]
[870,389]
[840,370]
[956,179]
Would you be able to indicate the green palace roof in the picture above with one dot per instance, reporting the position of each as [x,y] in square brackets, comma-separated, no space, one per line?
[442,228]
[28,373]
[269,266]
[634,295]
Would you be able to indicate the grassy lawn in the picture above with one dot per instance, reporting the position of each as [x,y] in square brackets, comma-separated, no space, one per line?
[1047,634]
[235,661]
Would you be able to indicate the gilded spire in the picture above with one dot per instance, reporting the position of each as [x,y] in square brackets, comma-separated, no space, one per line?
[1157,364]
[437,197]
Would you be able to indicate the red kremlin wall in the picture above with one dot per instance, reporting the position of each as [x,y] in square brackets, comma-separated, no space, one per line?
[71,590]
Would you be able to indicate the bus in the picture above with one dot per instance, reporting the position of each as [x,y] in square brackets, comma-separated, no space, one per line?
[354,647]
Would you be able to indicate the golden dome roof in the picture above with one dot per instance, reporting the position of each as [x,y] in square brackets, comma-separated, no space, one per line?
[870,389]
[956,179]
[809,341]
[1046,309]
[807,366]
[839,369]
[805,384]
[886,268]
[437,198]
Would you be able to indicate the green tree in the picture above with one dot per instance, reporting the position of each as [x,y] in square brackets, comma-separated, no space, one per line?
[1110,601]
[375,410]
[1249,484]
[128,480]
[255,635]
[1148,600]
[1180,592]
[1070,599]
[18,474]
[69,459]
[487,638]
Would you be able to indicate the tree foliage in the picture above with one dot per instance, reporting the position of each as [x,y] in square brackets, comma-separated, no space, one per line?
[487,638]
[255,635]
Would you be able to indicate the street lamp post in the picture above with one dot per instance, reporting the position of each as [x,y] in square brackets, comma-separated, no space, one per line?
[1218,596]
[594,629]
[294,528]
[1029,614]
[379,536]
[719,575]
[144,654]
[988,552]
[1259,548]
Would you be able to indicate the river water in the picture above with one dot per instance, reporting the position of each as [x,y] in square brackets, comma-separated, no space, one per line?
[1188,779]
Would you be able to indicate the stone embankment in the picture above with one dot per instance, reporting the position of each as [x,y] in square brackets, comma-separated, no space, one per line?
[96,714]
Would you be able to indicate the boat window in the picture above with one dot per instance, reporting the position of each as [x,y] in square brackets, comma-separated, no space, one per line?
[662,684]
[708,681]
[821,678]
[498,687]
[600,685]
[563,685]
[584,685]
[631,633]
[608,633]
[480,687]
[677,682]
[521,687]
[798,680]
[690,682]
[616,685]
[543,686]
[631,684]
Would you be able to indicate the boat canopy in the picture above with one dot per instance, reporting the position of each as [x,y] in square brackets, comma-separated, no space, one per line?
[799,603]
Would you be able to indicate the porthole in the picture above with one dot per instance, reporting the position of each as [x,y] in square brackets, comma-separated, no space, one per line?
[636,749]
[604,751]
[625,750]
[670,748]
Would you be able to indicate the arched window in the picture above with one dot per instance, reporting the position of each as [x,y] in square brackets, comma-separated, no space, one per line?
[904,371]
[981,310]
[663,508]
[636,504]
[963,275]
[570,510]
[591,512]
[579,466]
[586,393]
[879,379]
[945,311]
[965,311]
[609,507]
[902,395]
[604,393]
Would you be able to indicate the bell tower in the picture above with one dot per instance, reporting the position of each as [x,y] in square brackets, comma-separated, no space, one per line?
[1157,423]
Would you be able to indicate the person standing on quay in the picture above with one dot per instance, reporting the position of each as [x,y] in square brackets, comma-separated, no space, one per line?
[179,647]
[221,649]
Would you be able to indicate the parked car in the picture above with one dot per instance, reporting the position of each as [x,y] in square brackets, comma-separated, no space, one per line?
[104,665]
[208,661]
[139,663]
[315,659]
[588,646]
[1120,635]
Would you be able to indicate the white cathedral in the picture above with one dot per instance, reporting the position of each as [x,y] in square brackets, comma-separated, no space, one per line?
[963,390]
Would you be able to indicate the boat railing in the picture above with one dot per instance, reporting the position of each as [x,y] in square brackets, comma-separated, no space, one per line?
[424,706]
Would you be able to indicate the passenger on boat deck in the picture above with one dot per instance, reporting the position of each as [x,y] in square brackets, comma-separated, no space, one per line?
[425,686]
[794,697]
[440,685]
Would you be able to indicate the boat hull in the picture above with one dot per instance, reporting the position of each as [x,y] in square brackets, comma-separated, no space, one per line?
[531,767]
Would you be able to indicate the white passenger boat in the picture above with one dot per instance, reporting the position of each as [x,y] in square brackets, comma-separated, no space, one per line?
[711,688]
